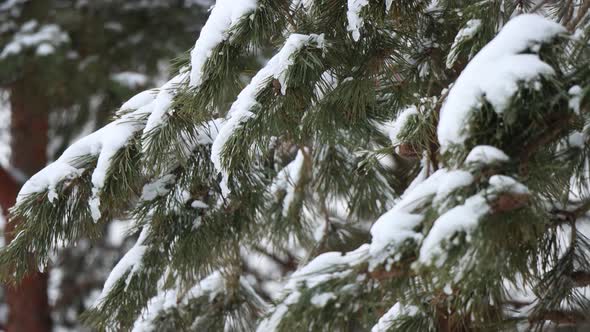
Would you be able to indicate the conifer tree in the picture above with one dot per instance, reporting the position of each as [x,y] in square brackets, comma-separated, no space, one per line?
[64,66]
[415,165]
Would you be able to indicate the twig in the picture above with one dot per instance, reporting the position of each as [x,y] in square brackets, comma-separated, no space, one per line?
[582,11]
[557,316]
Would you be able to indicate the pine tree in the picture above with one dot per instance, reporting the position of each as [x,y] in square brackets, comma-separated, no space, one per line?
[412,165]
[64,66]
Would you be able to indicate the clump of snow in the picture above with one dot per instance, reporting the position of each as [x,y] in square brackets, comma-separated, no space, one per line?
[162,102]
[225,14]
[271,323]
[462,218]
[577,139]
[287,180]
[391,230]
[466,33]
[138,101]
[210,288]
[163,301]
[452,181]
[240,110]
[486,154]
[323,268]
[386,321]
[117,232]
[197,204]
[32,36]
[320,300]
[494,74]
[130,79]
[399,123]
[503,183]
[398,225]
[388,5]
[326,267]
[575,93]
[158,188]
[130,263]
[355,22]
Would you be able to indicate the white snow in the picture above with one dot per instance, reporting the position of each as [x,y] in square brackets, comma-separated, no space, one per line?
[210,287]
[130,79]
[577,139]
[353,14]
[503,183]
[117,232]
[390,231]
[575,93]
[388,5]
[271,324]
[462,218]
[104,143]
[386,321]
[45,49]
[158,188]
[452,181]
[225,14]
[32,36]
[288,179]
[465,34]
[131,262]
[326,267]
[161,302]
[494,74]
[486,154]
[323,268]
[397,226]
[320,300]
[162,102]
[241,109]
[197,204]
[139,100]
[399,123]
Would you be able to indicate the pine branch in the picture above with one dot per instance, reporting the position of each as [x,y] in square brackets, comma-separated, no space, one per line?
[561,317]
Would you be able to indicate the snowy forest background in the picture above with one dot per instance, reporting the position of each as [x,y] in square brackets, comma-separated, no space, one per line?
[65,67]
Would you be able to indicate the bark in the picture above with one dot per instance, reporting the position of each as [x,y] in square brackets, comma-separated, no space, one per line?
[27,301]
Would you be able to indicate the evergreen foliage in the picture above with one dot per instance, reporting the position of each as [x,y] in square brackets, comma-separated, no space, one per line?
[425,162]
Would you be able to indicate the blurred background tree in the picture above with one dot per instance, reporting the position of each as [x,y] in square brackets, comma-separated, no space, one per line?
[65,65]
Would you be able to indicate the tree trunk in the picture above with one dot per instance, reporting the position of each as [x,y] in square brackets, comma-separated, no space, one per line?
[27,301]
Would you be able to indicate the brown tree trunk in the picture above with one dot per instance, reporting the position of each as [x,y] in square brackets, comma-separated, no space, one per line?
[27,301]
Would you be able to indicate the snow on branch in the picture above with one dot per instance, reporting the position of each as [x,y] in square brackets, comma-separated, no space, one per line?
[494,74]
[225,14]
[465,34]
[103,144]
[241,110]
[128,265]
[399,225]
[206,293]
[322,269]
[355,22]
[43,38]
[288,179]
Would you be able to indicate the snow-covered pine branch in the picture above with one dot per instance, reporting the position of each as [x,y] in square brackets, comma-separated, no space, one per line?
[396,181]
